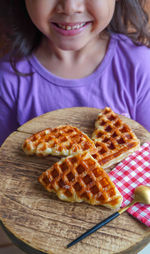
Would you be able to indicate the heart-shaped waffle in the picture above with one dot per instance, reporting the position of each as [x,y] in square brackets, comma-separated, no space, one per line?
[78,178]
[113,138]
[63,140]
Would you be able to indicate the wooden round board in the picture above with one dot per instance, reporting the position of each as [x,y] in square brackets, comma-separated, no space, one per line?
[41,223]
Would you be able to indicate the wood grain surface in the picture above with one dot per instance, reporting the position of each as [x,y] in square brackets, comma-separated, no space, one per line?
[41,223]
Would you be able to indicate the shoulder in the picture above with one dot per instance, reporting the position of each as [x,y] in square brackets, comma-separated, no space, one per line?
[10,81]
[6,69]
[127,50]
[5,64]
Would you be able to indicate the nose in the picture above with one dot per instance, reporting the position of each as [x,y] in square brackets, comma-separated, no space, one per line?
[70,7]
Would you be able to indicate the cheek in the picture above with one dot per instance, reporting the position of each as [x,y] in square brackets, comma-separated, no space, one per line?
[39,12]
[102,12]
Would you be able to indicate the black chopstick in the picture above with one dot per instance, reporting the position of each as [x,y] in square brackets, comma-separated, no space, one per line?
[93,229]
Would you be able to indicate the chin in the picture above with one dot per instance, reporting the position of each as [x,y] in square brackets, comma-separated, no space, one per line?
[72,47]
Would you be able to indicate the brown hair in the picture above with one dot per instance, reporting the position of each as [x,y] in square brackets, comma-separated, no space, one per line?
[130,18]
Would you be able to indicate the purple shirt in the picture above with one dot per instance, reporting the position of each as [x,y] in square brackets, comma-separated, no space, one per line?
[122,82]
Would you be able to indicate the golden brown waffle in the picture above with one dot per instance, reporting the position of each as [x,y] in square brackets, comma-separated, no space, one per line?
[61,141]
[113,138]
[78,178]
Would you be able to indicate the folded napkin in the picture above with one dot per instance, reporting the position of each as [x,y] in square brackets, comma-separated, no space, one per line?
[130,173]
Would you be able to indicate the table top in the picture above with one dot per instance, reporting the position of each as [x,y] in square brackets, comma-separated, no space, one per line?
[37,221]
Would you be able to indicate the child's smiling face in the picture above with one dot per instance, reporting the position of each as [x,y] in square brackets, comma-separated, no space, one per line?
[71,24]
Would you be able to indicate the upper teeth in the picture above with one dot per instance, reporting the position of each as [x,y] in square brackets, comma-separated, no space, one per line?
[66,27]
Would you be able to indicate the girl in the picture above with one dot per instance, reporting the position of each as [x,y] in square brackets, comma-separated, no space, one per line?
[68,53]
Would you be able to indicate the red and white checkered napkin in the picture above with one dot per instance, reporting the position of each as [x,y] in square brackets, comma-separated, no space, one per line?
[130,173]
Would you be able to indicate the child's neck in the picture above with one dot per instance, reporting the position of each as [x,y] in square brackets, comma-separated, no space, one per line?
[73,64]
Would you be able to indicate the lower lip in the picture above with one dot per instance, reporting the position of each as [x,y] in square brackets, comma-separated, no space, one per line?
[69,32]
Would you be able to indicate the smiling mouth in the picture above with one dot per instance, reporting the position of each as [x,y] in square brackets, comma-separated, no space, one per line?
[69,27]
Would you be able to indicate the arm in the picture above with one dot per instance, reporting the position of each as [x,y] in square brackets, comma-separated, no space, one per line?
[8,121]
[8,108]
[143,106]
[143,95]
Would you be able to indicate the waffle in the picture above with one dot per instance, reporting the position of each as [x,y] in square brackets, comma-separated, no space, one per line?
[78,178]
[113,138]
[63,140]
